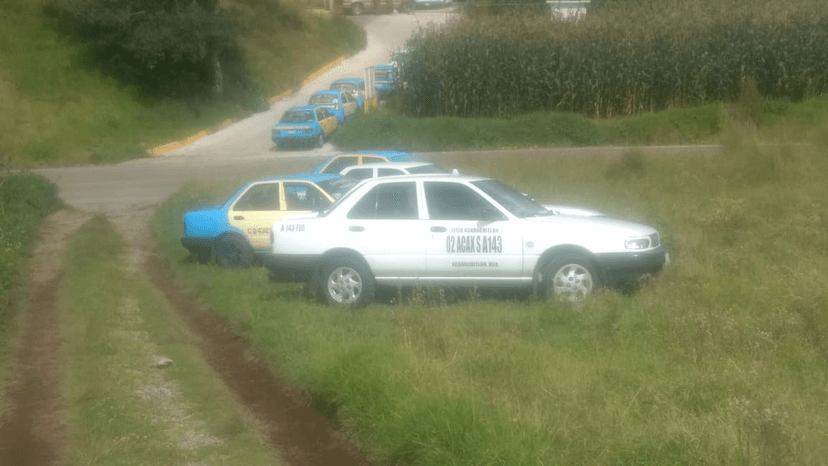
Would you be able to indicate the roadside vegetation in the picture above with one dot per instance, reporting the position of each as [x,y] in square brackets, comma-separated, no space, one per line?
[720,360]
[388,128]
[24,200]
[60,105]
[137,390]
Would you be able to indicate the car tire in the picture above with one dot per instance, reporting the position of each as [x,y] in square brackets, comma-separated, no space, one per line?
[233,252]
[570,277]
[319,141]
[356,9]
[347,282]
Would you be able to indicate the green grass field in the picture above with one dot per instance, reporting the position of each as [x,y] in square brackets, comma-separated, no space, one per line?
[720,360]
[55,110]
[387,129]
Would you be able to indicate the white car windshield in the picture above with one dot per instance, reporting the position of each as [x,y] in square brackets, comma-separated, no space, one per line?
[519,205]
[337,187]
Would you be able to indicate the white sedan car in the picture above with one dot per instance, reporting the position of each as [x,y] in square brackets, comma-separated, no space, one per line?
[380,169]
[448,230]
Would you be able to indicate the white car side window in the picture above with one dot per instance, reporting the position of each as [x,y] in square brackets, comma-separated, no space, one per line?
[453,201]
[390,201]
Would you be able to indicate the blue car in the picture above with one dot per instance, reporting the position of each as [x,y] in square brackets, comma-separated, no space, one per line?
[305,126]
[341,103]
[356,86]
[385,80]
[336,163]
[238,232]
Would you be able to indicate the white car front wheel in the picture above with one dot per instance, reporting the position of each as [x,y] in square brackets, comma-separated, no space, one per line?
[570,277]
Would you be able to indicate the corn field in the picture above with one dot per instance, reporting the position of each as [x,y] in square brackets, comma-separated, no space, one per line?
[620,60]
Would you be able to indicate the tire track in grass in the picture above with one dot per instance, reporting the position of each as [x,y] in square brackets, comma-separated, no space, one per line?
[299,433]
[32,432]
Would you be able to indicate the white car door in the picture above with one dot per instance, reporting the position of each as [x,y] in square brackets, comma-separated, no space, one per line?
[385,225]
[468,237]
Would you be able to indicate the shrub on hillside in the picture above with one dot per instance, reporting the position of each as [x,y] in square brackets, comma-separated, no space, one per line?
[174,48]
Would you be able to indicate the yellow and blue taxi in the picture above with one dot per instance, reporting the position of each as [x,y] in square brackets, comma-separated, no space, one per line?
[338,162]
[356,86]
[341,103]
[234,234]
[304,126]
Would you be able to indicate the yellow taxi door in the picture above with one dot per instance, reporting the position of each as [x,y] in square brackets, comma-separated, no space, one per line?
[255,211]
[327,120]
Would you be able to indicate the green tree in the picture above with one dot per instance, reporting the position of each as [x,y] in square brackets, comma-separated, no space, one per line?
[176,48]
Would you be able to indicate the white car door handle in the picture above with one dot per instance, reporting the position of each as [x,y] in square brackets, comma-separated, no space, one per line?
[356,228]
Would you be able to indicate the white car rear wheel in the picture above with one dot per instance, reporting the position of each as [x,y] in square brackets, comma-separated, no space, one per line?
[347,283]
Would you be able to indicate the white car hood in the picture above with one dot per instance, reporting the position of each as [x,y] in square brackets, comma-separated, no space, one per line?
[569,210]
[592,225]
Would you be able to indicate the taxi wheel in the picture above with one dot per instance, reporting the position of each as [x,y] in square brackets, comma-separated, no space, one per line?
[232,252]
[320,141]
[570,277]
[356,9]
[347,282]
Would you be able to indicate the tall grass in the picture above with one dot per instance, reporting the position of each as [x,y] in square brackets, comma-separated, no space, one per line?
[720,360]
[24,200]
[623,60]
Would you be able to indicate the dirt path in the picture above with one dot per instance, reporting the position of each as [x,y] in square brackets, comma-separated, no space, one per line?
[300,434]
[33,431]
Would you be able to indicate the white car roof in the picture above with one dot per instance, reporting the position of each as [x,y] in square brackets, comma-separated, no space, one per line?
[403,165]
[427,177]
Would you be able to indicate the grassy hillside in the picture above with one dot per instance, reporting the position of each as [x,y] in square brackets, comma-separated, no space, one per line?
[58,109]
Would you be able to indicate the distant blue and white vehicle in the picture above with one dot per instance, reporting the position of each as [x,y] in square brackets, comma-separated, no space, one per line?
[385,80]
[355,86]
[305,126]
[338,162]
[340,102]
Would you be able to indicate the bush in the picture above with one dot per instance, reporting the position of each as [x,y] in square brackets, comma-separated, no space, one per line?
[173,48]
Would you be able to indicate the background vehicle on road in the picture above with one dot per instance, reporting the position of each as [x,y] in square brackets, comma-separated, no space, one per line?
[341,103]
[356,86]
[356,7]
[385,80]
[236,231]
[453,230]
[338,162]
[304,126]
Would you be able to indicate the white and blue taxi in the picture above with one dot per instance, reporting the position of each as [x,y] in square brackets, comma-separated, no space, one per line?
[447,230]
